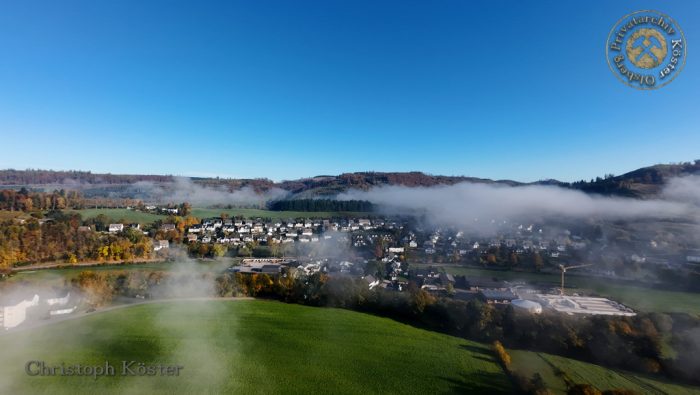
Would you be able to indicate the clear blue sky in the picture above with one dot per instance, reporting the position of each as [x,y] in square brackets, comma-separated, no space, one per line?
[287,89]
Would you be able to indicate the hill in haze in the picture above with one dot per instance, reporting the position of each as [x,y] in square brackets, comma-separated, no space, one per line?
[640,183]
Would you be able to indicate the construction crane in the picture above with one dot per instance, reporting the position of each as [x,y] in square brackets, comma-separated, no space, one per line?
[563,271]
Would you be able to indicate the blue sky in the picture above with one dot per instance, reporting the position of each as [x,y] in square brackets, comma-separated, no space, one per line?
[288,89]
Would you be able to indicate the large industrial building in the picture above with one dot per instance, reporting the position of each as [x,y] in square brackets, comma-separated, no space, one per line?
[583,305]
[14,314]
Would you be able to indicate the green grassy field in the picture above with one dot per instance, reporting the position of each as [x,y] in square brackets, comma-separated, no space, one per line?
[250,347]
[527,363]
[646,299]
[639,298]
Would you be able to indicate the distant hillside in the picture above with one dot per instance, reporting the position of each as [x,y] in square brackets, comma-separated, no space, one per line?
[639,183]
[305,187]
[47,177]
[331,185]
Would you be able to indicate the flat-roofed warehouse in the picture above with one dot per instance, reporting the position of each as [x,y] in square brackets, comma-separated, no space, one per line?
[584,305]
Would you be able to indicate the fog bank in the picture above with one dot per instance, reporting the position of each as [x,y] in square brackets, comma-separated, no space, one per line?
[183,189]
[467,204]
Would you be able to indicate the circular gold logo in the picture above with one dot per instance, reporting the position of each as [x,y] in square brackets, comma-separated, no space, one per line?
[646,49]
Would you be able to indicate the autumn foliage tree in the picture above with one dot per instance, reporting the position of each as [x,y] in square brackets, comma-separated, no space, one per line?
[62,239]
[95,287]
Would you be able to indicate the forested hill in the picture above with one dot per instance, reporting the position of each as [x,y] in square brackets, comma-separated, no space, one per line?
[643,182]
[319,184]
[330,185]
[48,177]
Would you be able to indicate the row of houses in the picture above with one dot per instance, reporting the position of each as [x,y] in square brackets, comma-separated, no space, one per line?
[520,243]
[228,231]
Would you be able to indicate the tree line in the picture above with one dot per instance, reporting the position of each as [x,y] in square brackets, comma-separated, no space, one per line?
[321,205]
[61,239]
[38,177]
[25,200]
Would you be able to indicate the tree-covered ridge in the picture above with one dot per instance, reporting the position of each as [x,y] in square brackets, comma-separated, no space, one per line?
[643,182]
[638,183]
[40,177]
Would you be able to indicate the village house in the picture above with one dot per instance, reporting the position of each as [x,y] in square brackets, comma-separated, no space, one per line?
[291,234]
[229,228]
[194,229]
[167,227]
[161,244]
[115,228]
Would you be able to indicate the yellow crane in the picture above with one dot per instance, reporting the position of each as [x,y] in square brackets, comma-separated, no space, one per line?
[563,271]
